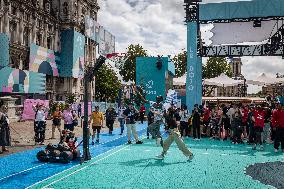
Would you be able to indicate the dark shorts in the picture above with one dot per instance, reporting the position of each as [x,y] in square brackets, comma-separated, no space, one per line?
[97,128]
[56,122]
[69,127]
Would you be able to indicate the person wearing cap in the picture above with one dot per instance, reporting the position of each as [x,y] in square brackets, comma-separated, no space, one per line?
[258,119]
[129,115]
[96,119]
[279,128]
[40,123]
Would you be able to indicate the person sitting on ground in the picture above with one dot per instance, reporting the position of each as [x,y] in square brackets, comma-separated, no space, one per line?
[5,137]
[56,121]
[97,120]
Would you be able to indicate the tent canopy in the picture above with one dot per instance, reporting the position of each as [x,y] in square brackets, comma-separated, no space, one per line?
[180,81]
[265,80]
[223,81]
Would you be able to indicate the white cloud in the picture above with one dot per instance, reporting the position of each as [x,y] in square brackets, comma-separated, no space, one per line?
[158,25]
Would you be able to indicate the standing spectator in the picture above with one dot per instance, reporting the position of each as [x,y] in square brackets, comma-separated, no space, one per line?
[279,128]
[142,112]
[79,110]
[150,118]
[196,123]
[110,117]
[56,121]
[184,127]
[250,122]
[97,119]
[244,112]
[237,126]
[5,138]
[267,128]
[129,115]
[68,118]
[206,120]
[39,123]
[225,123]
[121,118]
[273,121]
[258,126]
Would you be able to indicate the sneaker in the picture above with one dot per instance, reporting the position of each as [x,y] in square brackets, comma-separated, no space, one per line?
[147,137]
[261,148]
[161,157]
[120,134]
[42,143]
[93,143]
[129,142]
[276,150]
[190,158]
[198,139]
[139,142]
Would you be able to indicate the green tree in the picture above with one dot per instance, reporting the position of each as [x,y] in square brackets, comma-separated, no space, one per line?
[128,68]
[180,61]
[107,84]
[214,67]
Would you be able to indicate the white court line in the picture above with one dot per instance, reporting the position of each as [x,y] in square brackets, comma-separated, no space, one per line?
[22,171]
[45,187]
[79,164]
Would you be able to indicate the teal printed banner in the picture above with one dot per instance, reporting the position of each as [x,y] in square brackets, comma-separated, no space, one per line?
[194,68]
[4,50]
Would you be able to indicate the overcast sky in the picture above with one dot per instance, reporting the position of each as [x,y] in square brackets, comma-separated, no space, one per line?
[158,26]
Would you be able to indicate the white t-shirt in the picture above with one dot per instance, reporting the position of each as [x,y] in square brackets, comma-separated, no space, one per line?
[184,116]
[120,112]
[40,115]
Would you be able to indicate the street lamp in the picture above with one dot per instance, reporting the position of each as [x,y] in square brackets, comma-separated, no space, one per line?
[88,77]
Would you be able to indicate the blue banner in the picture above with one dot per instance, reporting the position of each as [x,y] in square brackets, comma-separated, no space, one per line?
[194,68]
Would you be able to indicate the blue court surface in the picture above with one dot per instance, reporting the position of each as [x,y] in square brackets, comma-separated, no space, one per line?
[216,164]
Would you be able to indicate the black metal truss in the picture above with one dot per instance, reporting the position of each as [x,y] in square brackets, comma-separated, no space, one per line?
[192,10]
[240,50]
[241,20]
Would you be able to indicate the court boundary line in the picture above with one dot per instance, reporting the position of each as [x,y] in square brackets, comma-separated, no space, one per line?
[26,170]
[50,177]
[54,182]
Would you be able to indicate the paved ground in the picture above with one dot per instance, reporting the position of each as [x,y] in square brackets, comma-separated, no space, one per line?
[22,135]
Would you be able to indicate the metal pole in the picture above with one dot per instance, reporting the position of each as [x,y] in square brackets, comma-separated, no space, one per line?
[86,136]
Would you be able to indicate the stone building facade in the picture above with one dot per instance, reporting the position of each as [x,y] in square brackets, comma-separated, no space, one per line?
[41,22]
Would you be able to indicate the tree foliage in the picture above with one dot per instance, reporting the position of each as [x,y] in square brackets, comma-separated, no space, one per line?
[128,69]
[107,84]
[180,61]
[215,66]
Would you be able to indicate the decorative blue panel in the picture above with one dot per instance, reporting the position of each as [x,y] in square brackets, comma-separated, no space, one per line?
[72,54]
[4,50]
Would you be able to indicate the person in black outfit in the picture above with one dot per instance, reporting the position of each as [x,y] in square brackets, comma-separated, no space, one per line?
[79,110]
[196,122]
[110,117]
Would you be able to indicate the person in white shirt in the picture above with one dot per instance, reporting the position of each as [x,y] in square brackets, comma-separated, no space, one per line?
[184,127]
[39,123]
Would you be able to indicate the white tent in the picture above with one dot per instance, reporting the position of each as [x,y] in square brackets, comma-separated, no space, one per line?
[223,81]
[180,81]
[265,80]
